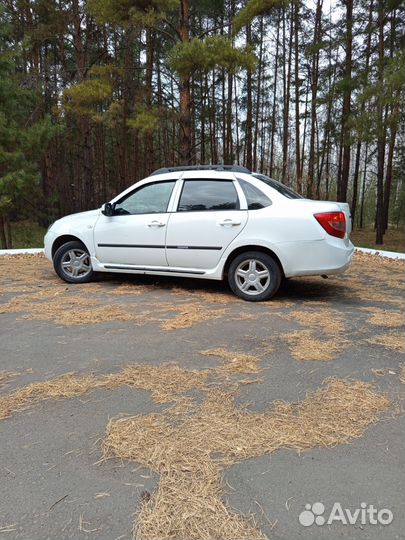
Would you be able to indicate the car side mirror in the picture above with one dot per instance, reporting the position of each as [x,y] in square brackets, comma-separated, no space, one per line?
[108,209]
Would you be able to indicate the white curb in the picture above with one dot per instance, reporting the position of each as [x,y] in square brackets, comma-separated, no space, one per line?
[20,251]
[388,254]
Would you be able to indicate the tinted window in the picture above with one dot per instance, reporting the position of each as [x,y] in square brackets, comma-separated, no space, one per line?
[278,186]
[255,198]
[149,199]
[202,195]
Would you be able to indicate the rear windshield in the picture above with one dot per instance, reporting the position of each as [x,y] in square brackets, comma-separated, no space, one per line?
[278,186]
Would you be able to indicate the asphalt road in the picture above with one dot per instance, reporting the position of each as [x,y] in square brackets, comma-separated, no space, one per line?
[53,485]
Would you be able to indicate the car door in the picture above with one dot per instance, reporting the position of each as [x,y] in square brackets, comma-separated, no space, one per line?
[208,218]
[136,233]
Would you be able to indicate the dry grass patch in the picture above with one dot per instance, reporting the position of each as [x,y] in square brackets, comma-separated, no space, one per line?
[371,278]
[132,289]
[212,297]
[384,264]
[234,362]
[45,297]
[166,383]
[329,321]
[100,314]
[67,309]
[27,268]
[305,346]
[189,314]
[392,341]
[16,289]
[190,456]
[370,293]
[385,317]
[6,376]
[378,274]
[322,339]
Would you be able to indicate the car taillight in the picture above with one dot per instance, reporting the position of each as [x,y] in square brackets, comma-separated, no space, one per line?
[334,223]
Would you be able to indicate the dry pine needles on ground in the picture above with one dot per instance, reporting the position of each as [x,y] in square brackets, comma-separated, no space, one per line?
[44,297]
[188,502]
[234,362]
[392,341]
[165,382]
[323,337]
[386,318]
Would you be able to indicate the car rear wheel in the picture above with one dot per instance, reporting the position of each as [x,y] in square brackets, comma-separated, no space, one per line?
[72,263]
[254,276]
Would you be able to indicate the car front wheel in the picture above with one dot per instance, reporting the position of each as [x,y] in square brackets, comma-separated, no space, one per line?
[72,263]
[254,276]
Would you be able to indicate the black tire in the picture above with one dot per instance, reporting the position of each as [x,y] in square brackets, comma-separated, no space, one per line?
[65,254]
[260,266]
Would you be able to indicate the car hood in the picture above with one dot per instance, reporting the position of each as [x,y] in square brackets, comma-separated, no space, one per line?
[88,217]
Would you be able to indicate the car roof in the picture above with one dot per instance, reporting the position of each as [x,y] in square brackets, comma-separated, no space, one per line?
[187,168]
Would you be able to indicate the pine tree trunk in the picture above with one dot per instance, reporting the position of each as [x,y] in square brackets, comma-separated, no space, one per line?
[150,46]
[343,181]
[388,176]
[286,112]
[249,112]
[3,235]
[379,221]
[355,182]
[363,188]
[229,128]
[225,157]
[358,149]
[8,232]
[314,93]
[215,158]
[237,122]
[297,99]
[229,139]
[393,129]
[185,91]
[258,95]
[304,131]
[274,107]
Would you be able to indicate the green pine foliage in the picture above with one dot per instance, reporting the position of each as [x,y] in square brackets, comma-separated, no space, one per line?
[203,56]
[95,95]
[125,13]
[253,9]
[24,133]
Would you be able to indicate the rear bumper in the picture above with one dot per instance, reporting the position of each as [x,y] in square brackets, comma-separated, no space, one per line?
[327,256]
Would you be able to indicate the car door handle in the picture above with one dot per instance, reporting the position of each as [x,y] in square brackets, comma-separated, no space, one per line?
[155,223]
[229,223]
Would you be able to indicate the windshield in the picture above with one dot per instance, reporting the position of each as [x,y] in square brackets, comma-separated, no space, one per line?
[278,186]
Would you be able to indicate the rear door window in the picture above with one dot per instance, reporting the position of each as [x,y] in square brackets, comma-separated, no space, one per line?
[208,195]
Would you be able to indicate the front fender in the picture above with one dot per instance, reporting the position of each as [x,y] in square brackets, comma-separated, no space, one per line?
[83,234]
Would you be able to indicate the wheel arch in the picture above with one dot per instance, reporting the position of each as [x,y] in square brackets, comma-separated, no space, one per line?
[251,247]
[63,239]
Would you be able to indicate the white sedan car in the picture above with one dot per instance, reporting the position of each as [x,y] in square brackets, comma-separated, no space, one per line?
[209,222]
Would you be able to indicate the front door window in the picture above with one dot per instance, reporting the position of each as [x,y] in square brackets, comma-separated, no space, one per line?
[149,199]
